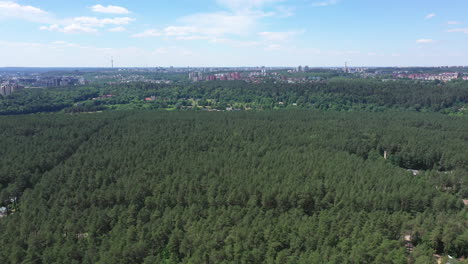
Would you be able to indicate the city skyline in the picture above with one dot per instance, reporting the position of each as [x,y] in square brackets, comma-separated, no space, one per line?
[232,33]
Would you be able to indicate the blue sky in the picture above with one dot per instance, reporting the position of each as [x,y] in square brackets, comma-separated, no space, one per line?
[140,33]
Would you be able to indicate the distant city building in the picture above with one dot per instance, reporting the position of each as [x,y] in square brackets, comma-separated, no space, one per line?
[56,81]
[445,77]
[263,71]
[7,89]
[195,76]
[224,76]
[235,76]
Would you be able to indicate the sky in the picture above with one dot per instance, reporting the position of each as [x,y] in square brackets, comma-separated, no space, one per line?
[180,33]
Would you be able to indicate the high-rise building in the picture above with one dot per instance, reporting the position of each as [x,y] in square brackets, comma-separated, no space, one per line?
[235,76]
[196,76]
[7,89]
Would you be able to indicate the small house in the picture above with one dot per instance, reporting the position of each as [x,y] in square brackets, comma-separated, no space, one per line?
[3,211]
[414,172]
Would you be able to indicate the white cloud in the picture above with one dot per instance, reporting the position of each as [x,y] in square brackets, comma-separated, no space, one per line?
[273,47]
[431,15]
[161,50]
[179,31]
[194,37]
[61,53]
[59,42]
[222,23]
[117,29]
[425,41]
[257,8]
[13,10]
[97,22]
[110,9]
[51,45]
[343,52]
[20,44]
[241,20]
[71,28]
[148,33]
[240,43]
[62,43]
[184,33]
[279,36]
[208,26]
[325,3]
[453,23]
[242,5]
[87,24]
[9,9]
[463,30]
[284,11]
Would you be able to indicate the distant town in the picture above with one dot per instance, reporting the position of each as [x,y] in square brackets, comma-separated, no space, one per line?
[16,79]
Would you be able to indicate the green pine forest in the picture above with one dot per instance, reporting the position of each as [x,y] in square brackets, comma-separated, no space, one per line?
[326,181]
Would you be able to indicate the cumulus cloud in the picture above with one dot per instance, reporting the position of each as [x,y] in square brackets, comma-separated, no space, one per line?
[100,22]
[61,53]
[284,11]
[453,23]
[179,31]
[110,9]
[71,28]
[225,23]
[237,26]
[240,5]
[463,30]
[431,15]
[13,10]
[117,29]
[279,36]
[148,33]
[202,25]
[87,24]
[9,9]
[325,3]
[425,41]
[273,47]
[195,37]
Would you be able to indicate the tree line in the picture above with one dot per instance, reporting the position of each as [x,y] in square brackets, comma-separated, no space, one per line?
[340,94]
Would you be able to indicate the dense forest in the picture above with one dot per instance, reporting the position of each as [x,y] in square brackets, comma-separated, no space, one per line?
[336,94]
[44,100]
[289,186]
